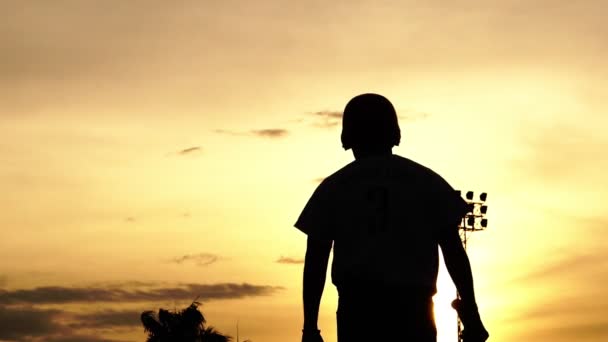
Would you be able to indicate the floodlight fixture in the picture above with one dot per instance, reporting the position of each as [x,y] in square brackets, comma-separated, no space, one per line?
[470,207]
[483,196]
[483,209]
[471,221]
[469,195]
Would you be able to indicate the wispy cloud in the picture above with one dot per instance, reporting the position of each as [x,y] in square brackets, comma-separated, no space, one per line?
[92,294]
[566,290]
[263,133]
[327,118]
[270,132]
[580,260]
[200,259]
[562,320]
[556,268]
[568,306]
[333,118]
[229,132]
[596,330]
[412,115]
[562,152]
[190,150]
[288,260]
[330,114]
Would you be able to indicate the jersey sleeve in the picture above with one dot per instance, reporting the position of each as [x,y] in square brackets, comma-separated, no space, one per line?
[316,219]
[448,206]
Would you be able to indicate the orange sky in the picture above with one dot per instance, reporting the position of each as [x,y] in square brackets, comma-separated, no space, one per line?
[153,152]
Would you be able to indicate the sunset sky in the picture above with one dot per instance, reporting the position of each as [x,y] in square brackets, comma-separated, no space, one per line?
[153,152]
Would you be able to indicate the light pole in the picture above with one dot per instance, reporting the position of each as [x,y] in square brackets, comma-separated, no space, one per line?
[475,220]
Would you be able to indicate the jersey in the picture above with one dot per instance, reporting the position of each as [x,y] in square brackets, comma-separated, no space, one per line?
[385,215]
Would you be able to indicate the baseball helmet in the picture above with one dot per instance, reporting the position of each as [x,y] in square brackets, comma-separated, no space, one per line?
[370,120]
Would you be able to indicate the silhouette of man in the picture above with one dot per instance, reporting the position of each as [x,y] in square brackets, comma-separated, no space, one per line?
[386,216]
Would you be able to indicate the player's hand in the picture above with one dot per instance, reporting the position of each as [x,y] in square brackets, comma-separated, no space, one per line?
[474,331]
[311,336]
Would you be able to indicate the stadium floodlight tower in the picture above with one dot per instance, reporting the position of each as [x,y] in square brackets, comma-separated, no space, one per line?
[475,220]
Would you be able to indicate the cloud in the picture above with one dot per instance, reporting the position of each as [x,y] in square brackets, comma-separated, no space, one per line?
[562,152]
[572,306]
[107,319]
[22,320]
[264,133]
[287,260]
[556,268]
[44,325]
[318,179]
[565,290]
[189,150]
[228,132]
[270,132]
[16,323]
[577,263]
[3,280]
[64,295]
[329,114]
[563,319]
[327,118]
[411,115]
[77,338]
[333,118]
[200,259]
[572,331]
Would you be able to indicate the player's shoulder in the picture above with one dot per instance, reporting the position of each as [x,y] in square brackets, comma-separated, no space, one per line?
[338,176]
[395,162]
[412,167]
[408,163]
[422,173]
[408,170]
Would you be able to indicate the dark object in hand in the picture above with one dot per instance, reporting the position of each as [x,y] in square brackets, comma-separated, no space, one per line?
[312,336]
[474,331]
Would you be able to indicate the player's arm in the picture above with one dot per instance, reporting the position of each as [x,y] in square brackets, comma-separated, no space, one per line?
[458,265]
[459,268]
[315,269]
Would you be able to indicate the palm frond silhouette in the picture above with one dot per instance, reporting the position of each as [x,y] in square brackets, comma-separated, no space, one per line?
[187,325]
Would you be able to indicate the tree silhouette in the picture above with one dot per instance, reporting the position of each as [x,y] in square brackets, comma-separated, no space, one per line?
[187,325]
